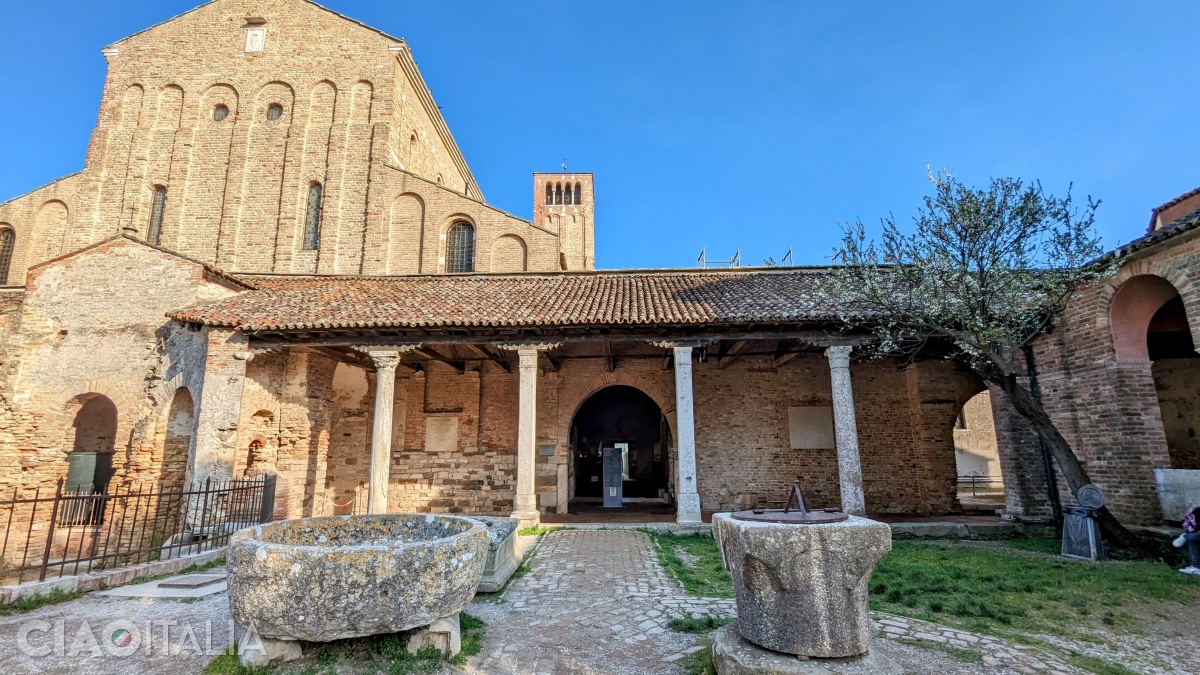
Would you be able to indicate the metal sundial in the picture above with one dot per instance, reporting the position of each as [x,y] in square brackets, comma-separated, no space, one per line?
[799,515]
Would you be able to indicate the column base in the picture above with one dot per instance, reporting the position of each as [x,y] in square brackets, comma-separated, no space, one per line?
[688,509]
[444,634]
[527,518]
[734,655]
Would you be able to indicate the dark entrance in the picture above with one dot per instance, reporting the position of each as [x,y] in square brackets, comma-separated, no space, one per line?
[628,426]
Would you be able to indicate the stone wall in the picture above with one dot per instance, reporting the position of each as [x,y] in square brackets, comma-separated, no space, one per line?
[93,324]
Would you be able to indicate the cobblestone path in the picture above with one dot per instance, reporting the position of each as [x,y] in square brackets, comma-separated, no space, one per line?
[592,602]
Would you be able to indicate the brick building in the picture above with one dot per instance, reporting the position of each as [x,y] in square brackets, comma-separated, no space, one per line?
[277,260]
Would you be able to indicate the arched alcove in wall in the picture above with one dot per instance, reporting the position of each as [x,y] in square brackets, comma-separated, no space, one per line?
[1150,324]
[177,442]
[90,462]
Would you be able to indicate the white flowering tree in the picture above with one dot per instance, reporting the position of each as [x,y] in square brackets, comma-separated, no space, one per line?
[983,273]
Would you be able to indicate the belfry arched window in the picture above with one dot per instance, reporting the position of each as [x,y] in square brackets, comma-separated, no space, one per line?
[460,248]
[157,208]
[558,194]
[312,218]
[549,194]
[8,239]
[578,193]
[569,198]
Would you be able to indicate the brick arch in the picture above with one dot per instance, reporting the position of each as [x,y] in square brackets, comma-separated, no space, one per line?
[405,234]
[322,103]
[573,395]
[218,92]
[169,112]
[1136,294]
[49,231]
[509,254]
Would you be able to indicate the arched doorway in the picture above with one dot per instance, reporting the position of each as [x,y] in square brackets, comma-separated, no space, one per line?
[977,457]
[1150,323]
[620,455]
[89,465]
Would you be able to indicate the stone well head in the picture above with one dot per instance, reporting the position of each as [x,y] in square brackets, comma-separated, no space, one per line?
[802,588]
[321,579]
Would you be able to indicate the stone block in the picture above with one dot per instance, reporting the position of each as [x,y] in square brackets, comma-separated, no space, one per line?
[734,655]
[444,634]
[255,651]
[503,557]
[1178,489]
[802,589]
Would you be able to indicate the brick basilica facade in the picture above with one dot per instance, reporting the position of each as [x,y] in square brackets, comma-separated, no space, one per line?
[276,260]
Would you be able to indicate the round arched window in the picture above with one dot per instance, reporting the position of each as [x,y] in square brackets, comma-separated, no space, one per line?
[220,112]
[274,112]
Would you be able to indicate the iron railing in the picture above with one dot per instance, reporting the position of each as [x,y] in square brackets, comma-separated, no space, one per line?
[988,484]
[73,531]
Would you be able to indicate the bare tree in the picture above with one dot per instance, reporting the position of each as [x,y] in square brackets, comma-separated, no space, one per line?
[986,271]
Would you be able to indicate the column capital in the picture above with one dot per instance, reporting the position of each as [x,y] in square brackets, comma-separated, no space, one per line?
[838,355]
[527,346]
[676,344]
[385,361]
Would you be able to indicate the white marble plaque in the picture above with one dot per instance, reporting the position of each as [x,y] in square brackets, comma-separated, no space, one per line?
[256,39]
[441,434]
[811,428]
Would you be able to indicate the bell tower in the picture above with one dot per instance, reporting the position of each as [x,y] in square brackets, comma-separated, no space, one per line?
[564,203]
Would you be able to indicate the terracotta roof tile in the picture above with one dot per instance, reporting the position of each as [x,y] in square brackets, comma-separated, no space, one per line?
[524,300]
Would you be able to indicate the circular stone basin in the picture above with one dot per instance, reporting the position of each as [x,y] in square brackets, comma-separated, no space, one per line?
[321,579]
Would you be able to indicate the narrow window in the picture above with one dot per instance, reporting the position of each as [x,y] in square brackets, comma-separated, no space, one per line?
[460,248]
[549,194]
[570,197]
[578,194]
[154,234]
[312,219]
[7,239]
[558,194]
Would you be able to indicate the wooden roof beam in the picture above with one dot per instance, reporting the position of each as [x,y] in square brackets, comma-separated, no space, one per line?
[785,351]
[434,355]
[728,355]
[610,363]
[488,354]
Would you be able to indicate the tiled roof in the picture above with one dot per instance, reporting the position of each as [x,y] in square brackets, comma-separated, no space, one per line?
[1176,227]
[522,300]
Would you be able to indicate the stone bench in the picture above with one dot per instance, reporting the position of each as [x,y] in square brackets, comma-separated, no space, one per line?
[503,558]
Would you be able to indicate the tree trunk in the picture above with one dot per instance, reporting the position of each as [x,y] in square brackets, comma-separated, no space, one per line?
[1033,412]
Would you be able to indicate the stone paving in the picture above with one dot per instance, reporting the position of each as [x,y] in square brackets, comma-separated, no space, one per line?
[592,602]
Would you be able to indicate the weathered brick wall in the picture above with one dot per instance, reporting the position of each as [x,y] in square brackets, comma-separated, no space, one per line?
[1109,409]
[40,221]
[94,323]
[356,118]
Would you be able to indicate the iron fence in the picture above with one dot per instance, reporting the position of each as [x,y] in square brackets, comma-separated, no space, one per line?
[81,530]
[987,484]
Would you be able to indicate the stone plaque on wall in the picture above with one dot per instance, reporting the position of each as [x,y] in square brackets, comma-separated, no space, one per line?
[545,451]
[441,434]
[811,428]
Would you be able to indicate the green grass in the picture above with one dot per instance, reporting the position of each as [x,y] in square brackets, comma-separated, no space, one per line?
[699,663]
[1097,666]
[997,589]
[537,530]
[697,624]
[964,655]
[33,602]
[707,576]
[472,637]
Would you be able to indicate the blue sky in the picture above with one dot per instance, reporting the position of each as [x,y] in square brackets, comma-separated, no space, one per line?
[724,124]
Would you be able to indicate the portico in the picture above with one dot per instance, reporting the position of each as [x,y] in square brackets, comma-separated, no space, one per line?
[479,416]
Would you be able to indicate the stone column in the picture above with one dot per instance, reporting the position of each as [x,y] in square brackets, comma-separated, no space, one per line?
[525,503]
[688,499]
[846,431]
[381,431]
